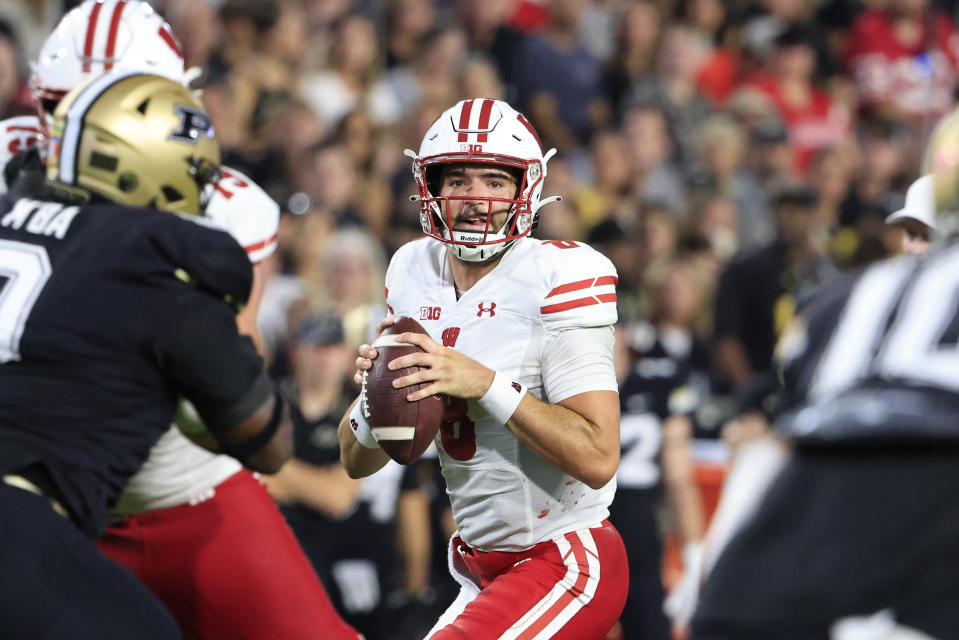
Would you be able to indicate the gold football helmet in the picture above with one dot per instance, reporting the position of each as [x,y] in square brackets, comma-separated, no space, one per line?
[942,161]
[136,139]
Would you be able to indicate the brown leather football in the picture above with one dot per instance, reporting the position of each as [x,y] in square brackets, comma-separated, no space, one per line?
[403,429]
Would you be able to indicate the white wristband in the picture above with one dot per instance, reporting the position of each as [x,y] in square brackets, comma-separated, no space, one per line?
[358,423]
[502,397]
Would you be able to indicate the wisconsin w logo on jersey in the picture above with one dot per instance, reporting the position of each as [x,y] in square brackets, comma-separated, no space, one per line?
[193,125]
[450,335]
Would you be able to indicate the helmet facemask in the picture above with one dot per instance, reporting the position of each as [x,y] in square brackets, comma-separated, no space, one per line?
[477,245]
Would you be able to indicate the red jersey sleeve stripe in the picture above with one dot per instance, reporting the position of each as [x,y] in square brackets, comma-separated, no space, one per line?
[583,284]
[250,248]
[112,36]
[18,128]
[576,304]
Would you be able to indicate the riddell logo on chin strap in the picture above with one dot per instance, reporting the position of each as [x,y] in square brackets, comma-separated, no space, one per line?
[490,310]
[450,335]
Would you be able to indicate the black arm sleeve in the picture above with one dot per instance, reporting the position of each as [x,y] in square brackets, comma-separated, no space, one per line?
[210,363]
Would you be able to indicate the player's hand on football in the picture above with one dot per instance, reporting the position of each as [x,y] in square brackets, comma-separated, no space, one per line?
[364,361]
[447,371]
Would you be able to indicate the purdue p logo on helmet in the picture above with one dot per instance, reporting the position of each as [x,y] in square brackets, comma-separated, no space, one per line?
[137,139]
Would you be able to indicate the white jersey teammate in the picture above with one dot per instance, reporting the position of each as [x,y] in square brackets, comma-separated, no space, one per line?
[521,340]
[153,535]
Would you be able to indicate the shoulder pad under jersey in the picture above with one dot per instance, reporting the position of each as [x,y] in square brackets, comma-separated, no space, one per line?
[247,212]
[582,286]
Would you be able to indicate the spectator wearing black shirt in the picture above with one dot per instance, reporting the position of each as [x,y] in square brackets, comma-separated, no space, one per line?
[756,295]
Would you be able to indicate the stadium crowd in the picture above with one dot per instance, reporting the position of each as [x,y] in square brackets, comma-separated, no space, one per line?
[728,156]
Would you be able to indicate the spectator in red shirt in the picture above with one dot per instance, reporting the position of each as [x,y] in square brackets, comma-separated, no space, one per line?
[812,119]
[904,59]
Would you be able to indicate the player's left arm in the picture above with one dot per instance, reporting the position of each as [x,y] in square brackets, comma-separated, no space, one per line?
[246,319]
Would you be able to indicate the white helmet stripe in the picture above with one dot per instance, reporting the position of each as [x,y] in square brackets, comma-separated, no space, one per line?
[70,144]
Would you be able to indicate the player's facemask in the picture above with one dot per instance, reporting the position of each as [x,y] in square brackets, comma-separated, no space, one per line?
[136,139]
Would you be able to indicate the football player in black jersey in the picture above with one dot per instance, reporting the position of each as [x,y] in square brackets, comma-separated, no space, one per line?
[858,530]
[110,310]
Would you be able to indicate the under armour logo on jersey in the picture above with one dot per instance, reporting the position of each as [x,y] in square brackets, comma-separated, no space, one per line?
[517,387]
[450,335]
[482,310]
[193,125]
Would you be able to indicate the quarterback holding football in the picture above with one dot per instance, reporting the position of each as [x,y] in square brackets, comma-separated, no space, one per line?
[520,340]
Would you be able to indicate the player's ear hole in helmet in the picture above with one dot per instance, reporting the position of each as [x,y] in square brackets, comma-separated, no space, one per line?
[136,139]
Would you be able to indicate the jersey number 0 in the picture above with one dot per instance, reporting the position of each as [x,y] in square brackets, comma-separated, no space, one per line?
[24,270]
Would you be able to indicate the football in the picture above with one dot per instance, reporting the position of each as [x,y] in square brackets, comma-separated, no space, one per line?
[403,429]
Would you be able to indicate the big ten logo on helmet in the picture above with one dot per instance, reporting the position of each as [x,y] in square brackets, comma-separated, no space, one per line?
[193,125]
[450,335]
[430,313]
[471,148]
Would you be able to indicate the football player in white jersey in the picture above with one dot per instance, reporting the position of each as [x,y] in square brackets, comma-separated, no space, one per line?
[195,527]
[521,340]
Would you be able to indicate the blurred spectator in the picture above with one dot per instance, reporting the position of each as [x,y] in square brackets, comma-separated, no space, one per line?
[488,32]
[917,217]
[342,524]
[478,77]
[721,153]
[672,89]
[756,294]
[354,65]
[714,217]
[609,191]
[880,161]
[14,93]
[407,21]
[667,380]
[559,80]
[811,118]
[31,21]
[634,54]
[431,75]
[829,174]
[196,25]
[350,282]
[649,150]
[903,55]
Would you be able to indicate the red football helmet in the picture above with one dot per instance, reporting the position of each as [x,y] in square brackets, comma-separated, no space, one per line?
[484,132]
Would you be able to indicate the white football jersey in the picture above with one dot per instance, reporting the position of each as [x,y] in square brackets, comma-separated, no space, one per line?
[504,496]
[17,135]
